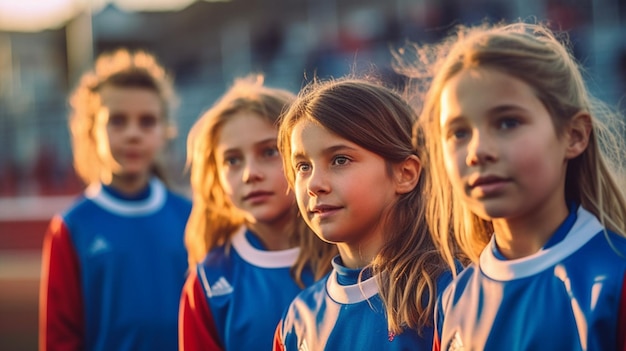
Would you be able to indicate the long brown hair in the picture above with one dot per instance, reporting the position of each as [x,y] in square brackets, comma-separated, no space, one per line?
[378,119]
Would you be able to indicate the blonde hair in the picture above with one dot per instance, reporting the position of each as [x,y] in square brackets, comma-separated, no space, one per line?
[120,69]
[214,218]
[379,120]
[539,57]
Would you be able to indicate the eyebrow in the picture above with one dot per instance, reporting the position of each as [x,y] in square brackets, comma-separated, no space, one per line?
[258,143]
[492,111]
[327,151]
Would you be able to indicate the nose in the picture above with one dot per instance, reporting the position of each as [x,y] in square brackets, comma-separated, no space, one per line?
[481,149]
[133,130]
[252,172]
[318,183]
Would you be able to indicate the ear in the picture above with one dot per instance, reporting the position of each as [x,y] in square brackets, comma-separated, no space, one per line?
[577,135]
[407,174]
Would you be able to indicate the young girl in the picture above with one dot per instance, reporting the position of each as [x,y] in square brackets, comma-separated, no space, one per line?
[532,201]
[260,254]
[346,146]
[114,263]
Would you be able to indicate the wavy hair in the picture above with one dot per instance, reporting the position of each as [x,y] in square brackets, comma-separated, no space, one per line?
[379,120]
[214,218]
[534,54]
[121,69]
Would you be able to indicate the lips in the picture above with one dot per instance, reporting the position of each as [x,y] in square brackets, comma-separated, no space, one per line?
[324,210]
[487,186]
[486,180]
[257,195]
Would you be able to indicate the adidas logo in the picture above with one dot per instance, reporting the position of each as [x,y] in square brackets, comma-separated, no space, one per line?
[221,287]
[98,245]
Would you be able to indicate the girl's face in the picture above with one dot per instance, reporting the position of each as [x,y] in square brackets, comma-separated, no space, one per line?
[251,170]
[129,131]
[343,190]
[500,147]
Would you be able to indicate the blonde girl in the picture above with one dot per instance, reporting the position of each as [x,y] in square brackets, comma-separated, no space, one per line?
[533,199]
[249,252]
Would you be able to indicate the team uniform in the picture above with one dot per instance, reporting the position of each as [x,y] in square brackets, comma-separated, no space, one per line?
[344,312]
[236,296]
[113,270]
[568,296]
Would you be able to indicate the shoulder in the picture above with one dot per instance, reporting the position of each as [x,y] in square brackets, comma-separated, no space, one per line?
[310,297]
[455,287]
[606,245]
[305,304]
[217,257]
[178,198]
[80,208]
[446,277]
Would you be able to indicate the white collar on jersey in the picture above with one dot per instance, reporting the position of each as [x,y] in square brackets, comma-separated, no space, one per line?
[262,258]
[585,228]
[150,205]
[349,294]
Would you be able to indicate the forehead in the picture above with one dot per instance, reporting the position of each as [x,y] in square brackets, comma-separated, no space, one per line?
[245,129]
[130,99]
[475,91]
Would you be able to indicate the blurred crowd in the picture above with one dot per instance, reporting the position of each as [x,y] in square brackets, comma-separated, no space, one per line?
[208,44]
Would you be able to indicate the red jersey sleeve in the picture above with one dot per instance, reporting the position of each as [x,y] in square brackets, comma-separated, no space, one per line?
[61,319]
[436,346]
[196,328]
[278,340]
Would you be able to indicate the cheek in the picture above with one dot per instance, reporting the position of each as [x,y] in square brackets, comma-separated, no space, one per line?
[452,161]
[226,181]
[301,194]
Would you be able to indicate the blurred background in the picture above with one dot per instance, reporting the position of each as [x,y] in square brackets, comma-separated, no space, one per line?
[45,45]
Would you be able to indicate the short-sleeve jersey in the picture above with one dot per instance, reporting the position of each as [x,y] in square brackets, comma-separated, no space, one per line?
[565,297]
[113,270]
[236,296]
[331,315]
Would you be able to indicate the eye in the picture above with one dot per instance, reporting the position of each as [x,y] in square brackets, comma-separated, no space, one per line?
[232,161]
[148,121]
[458,133]
[270,152]
[508,123]
[302,167]
[117,120]
[340,160]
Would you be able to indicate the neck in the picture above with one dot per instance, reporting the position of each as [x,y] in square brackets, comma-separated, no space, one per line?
[361,254]
[275,235]
[523,236]
[129,184]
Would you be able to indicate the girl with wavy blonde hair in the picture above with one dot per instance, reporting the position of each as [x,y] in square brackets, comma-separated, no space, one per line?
[249,251]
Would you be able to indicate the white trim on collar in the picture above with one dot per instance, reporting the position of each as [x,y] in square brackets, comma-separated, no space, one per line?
[148,206]
[585,228]
[262,258]
[349,294]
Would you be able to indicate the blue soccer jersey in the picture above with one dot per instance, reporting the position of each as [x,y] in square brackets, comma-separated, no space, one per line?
[564,297]
[345,312]
[236,296]
[113,270]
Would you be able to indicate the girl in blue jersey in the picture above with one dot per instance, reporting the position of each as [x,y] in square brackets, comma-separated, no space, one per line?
[249,252]
[114,263]
[347,149]
[520,179]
